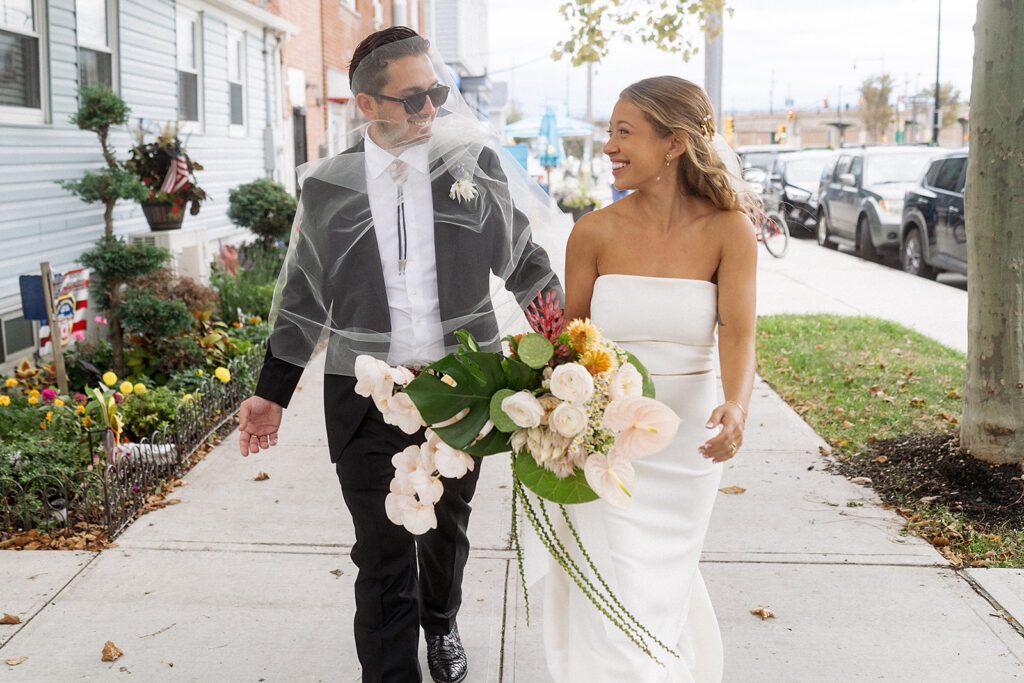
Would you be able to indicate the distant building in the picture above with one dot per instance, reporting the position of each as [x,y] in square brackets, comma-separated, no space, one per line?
[461,36]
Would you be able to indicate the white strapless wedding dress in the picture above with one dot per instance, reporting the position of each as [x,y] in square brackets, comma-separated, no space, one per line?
[649,553]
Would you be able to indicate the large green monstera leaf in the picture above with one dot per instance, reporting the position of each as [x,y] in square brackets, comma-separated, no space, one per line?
[568,490]
[477,376]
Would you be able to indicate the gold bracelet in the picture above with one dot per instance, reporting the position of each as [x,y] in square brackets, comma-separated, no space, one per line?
[742,409]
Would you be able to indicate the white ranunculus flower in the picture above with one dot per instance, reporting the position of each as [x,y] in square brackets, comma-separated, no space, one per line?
[373,378]
[402,413]
[627,382]
[572,382]
[568,419]
[524,409]
[611,476]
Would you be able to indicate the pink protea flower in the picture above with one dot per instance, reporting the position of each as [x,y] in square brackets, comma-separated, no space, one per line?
[545,317]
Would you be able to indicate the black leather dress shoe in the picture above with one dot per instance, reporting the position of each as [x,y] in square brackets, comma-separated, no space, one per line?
[446,657]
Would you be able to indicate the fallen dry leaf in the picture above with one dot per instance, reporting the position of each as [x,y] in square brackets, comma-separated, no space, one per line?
[824,451]
[15,661]
[338,573]
[954,393]
[940,541]
[111,652]
[847,424]
[262,476]
[861,480]
[763,612]
[881,459]
[10,619]
[951,419]
[732,489]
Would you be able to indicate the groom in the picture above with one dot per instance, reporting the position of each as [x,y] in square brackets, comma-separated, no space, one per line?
[403,582]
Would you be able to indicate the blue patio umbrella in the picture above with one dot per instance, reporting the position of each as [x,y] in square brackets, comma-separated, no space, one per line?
[551,143]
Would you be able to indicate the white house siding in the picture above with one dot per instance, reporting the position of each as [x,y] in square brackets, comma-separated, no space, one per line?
[39,221]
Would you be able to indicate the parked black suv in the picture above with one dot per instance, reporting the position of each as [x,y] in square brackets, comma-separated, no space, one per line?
[795,177]
[861,201]
[933,236]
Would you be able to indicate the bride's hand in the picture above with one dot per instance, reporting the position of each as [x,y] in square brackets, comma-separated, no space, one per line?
[724,445]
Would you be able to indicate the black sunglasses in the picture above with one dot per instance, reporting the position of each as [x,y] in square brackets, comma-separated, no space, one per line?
[414,103]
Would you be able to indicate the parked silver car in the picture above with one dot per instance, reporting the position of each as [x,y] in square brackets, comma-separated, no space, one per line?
[861,200]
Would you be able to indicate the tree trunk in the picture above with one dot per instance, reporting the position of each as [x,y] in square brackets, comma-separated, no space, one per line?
[108,218]
[992,428]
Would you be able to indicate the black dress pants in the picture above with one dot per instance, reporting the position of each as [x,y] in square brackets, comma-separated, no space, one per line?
[403,581]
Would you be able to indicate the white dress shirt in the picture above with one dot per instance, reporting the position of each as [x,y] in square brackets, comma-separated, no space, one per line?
[416,332]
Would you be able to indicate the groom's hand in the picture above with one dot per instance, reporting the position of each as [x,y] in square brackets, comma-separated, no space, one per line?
[258,422]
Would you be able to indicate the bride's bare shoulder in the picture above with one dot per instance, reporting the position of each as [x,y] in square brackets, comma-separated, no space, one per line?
[732,227]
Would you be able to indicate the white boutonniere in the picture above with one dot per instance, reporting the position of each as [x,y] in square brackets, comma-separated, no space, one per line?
[464,188]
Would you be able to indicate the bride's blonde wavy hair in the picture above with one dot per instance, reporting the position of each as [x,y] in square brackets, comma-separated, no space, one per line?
[675,106]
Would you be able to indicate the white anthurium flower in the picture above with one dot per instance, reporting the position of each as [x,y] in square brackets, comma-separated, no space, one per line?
[644,426]
[568,419]
[402,413]
[611,476]
[448,461]
[524,409]
[373,378]
[572,382]
[401,375]
[627,382]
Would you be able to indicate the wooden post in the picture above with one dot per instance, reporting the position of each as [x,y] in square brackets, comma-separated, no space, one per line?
[51,320]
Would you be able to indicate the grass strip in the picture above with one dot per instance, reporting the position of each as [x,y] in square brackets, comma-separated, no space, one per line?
[859,380]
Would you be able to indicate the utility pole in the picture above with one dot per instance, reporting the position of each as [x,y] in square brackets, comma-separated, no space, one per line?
[713,65]
[937,118]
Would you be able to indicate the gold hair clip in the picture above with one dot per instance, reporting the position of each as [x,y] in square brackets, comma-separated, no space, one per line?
[707,126]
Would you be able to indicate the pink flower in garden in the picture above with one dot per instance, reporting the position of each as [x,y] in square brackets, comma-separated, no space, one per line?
[118,398]
[100,319]
[80,398]
[48,395]
[78,335]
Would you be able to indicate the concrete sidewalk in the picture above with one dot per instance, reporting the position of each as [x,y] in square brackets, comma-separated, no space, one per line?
[250,580]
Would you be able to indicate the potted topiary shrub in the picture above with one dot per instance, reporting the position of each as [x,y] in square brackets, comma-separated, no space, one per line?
[168,173]
[265,207]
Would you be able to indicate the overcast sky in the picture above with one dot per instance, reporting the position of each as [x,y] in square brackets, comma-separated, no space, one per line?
[773,50]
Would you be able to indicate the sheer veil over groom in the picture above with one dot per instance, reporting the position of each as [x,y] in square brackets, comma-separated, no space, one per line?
[394,248]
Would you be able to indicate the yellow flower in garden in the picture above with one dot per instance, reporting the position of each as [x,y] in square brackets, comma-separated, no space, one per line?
[200,372]
[254,320]
[80,409]
[126,387]
[597,361]
[58,402]
[186,398]
[5,400]
[582,334]
[236,324]
[34,393]
[42,425]
[33,400]
[110,379]
[86,421]
[10,382]
[222,374]
[49,415]
[140,388]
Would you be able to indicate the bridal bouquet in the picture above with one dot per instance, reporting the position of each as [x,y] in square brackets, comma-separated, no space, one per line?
[573,408]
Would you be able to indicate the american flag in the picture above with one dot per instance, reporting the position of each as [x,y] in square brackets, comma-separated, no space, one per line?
[177,175]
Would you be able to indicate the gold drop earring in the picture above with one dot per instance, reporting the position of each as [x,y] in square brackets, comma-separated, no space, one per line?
[668,158]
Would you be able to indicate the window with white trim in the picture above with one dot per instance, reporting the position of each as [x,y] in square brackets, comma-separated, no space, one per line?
[96,25]
[21,66]
[414,16]
[348,4]
[236,79]
[399,13]
[378,15]
[190,66]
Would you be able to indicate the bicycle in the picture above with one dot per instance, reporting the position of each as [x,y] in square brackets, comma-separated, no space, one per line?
[772,231]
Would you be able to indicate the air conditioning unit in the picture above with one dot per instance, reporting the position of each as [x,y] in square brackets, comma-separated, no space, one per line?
[189,250]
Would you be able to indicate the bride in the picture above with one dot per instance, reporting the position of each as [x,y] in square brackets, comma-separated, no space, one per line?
[659,271]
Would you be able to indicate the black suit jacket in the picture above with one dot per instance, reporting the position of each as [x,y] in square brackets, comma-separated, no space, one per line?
[358,299]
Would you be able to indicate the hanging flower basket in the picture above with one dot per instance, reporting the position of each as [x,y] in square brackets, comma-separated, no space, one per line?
[162,216]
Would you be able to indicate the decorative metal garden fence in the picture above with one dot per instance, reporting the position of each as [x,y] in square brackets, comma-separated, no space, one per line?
[111,494]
